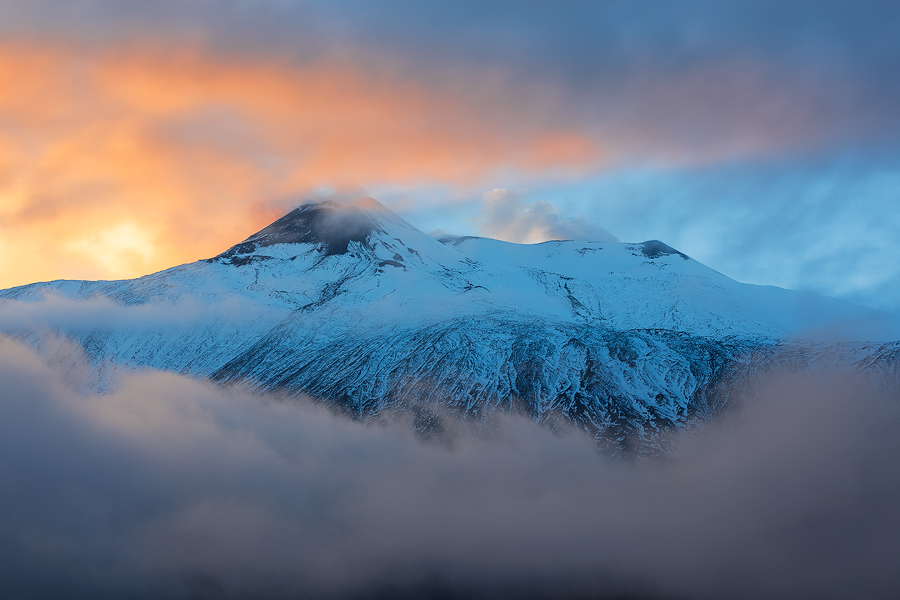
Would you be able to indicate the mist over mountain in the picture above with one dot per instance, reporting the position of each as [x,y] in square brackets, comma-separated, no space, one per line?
[168,487]
[351,305]
[341,406]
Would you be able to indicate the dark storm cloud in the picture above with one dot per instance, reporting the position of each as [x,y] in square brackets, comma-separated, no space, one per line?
[170,488]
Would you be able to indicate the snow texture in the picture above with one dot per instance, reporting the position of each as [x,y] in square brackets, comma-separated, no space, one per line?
[353,305]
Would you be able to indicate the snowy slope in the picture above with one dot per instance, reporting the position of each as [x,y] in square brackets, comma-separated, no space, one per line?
[353,305]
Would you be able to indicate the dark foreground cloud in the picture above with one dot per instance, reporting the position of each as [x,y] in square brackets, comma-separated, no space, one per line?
[172,488]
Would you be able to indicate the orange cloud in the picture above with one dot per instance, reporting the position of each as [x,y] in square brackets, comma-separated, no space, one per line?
[115,162]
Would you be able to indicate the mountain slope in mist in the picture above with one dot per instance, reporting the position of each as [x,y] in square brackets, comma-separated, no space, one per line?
[353,305]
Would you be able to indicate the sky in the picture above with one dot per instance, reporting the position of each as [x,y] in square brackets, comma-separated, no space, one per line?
[760,137]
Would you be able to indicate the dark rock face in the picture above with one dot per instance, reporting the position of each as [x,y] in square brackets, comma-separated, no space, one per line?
[456,240]
[655,249]
[625,387]
[327,225]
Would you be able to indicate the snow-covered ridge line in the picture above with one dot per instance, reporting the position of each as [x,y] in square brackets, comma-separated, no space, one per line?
[356,306]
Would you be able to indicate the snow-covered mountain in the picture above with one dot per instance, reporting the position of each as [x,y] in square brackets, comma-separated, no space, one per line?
[353,305]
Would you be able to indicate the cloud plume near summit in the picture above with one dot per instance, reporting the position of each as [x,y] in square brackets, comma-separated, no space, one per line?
[507,216]
[171,488]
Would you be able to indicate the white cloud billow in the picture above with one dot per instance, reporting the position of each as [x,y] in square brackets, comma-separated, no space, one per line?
[506,216]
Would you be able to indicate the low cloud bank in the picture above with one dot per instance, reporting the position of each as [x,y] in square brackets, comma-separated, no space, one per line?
[47,310]
[171,488]
[51,311]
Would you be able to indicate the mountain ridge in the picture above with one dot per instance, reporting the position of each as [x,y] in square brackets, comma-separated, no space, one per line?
[356,307]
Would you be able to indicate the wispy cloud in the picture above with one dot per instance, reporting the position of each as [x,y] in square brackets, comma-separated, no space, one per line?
[507,216]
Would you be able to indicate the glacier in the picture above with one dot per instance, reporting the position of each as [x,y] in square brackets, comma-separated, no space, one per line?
[355,307]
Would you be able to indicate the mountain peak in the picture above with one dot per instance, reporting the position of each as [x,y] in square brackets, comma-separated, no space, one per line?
[327,224]
[655,248]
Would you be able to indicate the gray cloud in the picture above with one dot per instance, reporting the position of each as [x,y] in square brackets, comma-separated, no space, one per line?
[687,81]
[580,34]
[506,216]
[173,488]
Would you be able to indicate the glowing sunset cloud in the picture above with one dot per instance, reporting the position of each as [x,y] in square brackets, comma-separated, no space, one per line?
[135,160]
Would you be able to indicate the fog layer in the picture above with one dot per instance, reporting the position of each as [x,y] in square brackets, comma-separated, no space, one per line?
[172,488]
